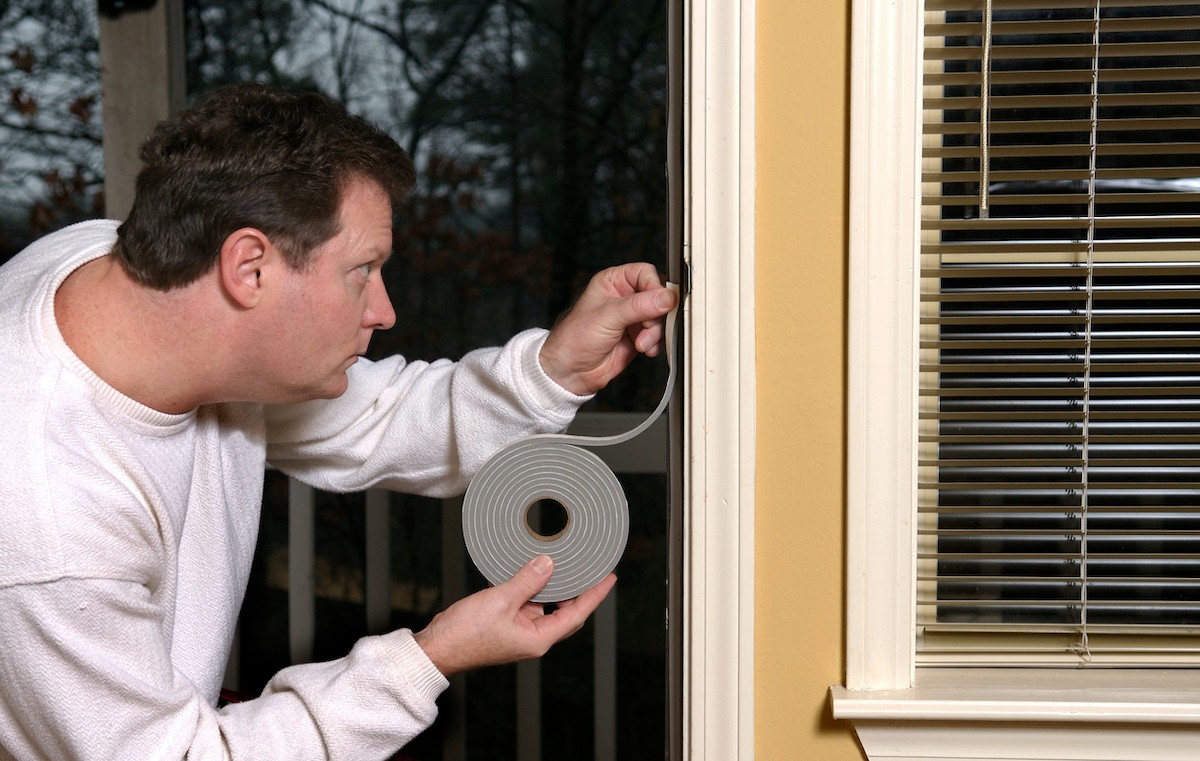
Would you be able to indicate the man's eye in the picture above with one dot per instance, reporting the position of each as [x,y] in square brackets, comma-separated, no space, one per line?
[365,270]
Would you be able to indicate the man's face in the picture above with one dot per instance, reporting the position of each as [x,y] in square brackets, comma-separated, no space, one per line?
[332,307]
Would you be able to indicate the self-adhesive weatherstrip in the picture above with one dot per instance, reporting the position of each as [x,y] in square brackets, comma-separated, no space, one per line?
[501,535]
[504,510]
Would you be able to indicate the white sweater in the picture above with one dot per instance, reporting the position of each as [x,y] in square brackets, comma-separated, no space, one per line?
[126,537]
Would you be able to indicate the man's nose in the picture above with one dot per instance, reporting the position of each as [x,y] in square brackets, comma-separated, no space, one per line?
[379,315]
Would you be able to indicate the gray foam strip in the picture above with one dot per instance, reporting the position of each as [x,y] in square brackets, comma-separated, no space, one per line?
[554,467]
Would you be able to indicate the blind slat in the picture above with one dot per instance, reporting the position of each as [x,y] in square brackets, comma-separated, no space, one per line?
[1064,26]
[1033,76]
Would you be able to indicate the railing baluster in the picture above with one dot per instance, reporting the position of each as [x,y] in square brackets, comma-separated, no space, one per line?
[454,584]
[529,710]
[604,686]
[233,667]
[301,603]
[378,573]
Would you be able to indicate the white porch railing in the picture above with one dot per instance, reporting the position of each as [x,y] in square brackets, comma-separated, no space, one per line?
[645,454]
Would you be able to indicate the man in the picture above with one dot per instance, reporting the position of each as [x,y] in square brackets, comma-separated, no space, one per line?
[152,371]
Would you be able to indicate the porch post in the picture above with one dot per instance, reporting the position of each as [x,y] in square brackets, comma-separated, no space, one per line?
[142,80]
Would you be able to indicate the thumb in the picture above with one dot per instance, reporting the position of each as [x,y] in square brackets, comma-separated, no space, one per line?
[532,578]
[644,306]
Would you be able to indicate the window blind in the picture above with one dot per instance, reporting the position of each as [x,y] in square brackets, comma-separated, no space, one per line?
[1059,424]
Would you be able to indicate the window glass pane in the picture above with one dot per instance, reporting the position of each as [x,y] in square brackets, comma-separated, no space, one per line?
[1060,333]
[51,164]
[539,134]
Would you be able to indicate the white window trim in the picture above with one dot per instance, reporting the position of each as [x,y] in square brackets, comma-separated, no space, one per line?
[720,376]
[898,710]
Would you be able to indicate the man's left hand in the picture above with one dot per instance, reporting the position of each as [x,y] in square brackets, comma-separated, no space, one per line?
[619,315]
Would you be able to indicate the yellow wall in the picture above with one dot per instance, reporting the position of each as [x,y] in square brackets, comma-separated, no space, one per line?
[802,166]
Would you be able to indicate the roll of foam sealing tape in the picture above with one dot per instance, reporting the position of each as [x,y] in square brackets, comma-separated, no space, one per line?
[509,504]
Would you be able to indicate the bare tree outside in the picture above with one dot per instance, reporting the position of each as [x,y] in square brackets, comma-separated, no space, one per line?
[51,164]
[539,129]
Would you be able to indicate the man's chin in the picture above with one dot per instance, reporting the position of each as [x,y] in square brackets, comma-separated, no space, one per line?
[332,390]
[334,386]
[338,388]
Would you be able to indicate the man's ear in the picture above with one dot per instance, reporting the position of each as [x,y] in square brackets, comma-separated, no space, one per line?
[245,255]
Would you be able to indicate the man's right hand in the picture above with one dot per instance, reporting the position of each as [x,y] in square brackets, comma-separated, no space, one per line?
[500,624]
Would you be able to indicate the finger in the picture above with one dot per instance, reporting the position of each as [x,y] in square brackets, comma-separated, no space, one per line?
[643,276]
[648,339]
[532,610]
[626,279]
[645,306]
[569,616]
[530,580]
[590,599]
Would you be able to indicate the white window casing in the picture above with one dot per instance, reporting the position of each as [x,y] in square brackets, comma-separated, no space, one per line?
[720,376]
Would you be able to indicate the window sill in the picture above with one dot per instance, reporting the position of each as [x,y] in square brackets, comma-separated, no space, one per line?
[1029,714]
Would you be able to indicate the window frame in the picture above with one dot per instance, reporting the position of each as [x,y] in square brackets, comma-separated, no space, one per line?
[898,710]
[719,428]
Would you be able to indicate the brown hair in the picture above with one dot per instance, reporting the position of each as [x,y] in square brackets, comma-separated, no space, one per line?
[250,156]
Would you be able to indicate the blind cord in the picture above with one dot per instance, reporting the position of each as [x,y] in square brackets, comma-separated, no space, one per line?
[1084,650]
[985,114]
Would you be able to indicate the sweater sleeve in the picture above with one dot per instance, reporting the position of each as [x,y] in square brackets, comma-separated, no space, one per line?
[418,427]
[87,674]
